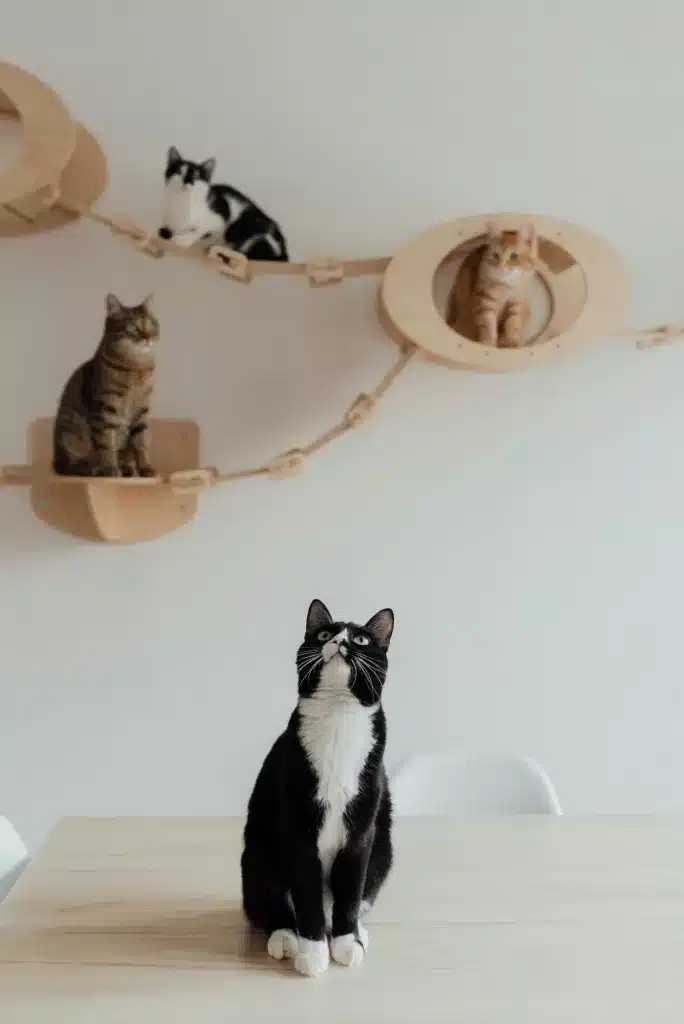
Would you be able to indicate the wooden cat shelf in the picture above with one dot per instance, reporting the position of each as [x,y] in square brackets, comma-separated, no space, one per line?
[60,174]
[121,510]
[58,157]
[586,283]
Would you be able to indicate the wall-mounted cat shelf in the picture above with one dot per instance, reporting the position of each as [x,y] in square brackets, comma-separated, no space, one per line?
[61,172]
[120,510]
[58,157]
[586,285]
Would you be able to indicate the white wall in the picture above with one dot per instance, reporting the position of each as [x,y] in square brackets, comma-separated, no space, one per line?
[528,529]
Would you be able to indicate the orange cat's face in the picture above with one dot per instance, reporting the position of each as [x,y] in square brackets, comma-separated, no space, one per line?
[511,256]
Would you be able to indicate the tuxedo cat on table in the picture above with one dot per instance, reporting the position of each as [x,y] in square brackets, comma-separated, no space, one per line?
[198,211]
[318,842]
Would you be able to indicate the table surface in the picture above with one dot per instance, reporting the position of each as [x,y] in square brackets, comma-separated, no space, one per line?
[138,921]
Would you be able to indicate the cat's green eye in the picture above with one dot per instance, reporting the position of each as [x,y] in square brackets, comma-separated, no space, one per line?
[513,257]
[324,635]
[361,640]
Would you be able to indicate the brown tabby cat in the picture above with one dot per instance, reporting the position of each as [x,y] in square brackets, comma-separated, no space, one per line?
[484,302]
[101,427]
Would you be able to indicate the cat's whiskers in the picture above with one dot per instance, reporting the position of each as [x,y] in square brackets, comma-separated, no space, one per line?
[374,673]
[310,670]
[367,676]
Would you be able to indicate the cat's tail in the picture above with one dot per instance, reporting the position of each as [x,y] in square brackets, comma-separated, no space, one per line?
[279,238]
[269,245]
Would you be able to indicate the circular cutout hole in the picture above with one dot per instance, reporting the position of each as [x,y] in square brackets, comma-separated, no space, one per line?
[557,293]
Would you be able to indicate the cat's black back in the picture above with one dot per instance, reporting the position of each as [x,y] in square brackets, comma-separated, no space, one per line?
[252,231]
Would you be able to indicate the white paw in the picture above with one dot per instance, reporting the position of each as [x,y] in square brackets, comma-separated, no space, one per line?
[364,937]
[283,944]
[313,957]
[365,908]
[347,950]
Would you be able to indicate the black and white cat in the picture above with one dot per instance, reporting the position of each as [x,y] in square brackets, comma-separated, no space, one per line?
[195,210]
[318,841]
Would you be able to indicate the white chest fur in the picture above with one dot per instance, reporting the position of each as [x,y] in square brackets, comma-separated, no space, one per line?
[337,735]
[186,212]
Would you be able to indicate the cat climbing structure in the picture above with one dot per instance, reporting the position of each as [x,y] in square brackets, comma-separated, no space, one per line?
[61,173]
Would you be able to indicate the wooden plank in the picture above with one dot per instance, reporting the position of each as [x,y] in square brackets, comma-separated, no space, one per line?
[522,921]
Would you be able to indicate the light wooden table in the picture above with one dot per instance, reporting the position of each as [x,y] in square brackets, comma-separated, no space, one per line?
[525,921]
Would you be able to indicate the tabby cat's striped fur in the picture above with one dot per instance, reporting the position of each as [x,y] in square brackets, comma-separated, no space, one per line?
[102,421]
[485,302]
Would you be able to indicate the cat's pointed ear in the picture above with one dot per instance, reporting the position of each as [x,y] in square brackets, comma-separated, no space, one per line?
[317,617]
[493,233]
[173,157]
[381,626]
[148,302]
[207,168]
[114,306]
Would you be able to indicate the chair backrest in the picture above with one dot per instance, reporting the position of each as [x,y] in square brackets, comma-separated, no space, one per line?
[13,856]
[448,783]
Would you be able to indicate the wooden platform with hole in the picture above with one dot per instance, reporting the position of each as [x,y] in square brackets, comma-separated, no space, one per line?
[59,157]
[587,284]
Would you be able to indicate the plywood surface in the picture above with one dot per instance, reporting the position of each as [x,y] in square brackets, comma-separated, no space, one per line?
[527,920]
[410,314]
[123,511]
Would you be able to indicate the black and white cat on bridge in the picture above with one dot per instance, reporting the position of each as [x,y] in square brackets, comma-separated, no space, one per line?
[198,211]
[318,842]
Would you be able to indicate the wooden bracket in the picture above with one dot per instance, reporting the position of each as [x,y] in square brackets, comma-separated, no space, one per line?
[324,270]
[58,157]
[664,335]
[230,263]
[288,464]
[190,481]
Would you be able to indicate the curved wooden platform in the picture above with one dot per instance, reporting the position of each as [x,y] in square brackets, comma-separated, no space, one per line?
[58,157]
[119,510]
[588,285]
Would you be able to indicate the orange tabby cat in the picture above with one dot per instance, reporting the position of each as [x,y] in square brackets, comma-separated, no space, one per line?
[484,302]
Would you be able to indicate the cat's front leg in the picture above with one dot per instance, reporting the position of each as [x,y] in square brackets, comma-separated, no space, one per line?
[313,956]
[347,878]
[487,326]
[104,456]
[137,449]
[514,319]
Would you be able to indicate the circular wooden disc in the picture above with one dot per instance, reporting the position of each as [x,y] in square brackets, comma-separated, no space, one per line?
[83,180]
[49,134]
[409,312]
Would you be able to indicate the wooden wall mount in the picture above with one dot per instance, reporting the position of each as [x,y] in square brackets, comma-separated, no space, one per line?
[588,284]
[59,158]
[123,511]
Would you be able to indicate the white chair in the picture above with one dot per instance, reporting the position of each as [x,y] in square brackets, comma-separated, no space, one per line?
[448,783]
[13,856]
